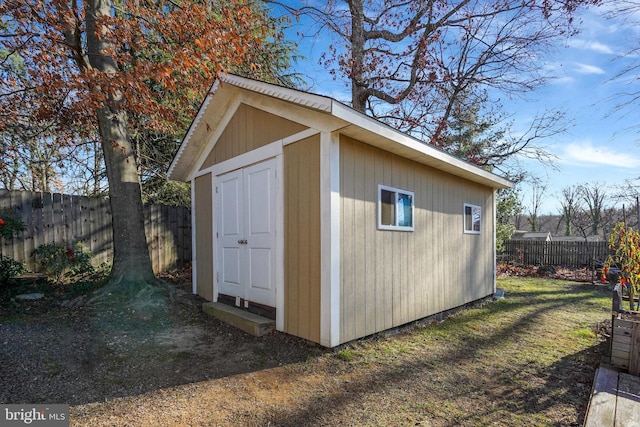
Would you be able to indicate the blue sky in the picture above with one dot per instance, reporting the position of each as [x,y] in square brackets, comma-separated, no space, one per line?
[600,145]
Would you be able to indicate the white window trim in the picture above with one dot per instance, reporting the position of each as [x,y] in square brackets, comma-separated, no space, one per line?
[464,217]
[397,191]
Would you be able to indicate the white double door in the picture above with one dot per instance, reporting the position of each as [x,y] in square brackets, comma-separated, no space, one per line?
[246,233]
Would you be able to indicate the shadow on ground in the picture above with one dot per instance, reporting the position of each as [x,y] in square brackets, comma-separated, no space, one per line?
[91,355]
[440,388]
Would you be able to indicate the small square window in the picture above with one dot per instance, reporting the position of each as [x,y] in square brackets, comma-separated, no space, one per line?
[395,209]
[472,218]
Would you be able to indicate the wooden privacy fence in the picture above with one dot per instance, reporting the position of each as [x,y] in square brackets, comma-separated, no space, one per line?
[566,254]
[59,218]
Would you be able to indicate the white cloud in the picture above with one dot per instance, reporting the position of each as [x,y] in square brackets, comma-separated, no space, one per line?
[589,155]
[594,46]
[588,69]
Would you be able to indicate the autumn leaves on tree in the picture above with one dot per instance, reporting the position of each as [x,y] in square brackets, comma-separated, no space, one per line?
[98,68]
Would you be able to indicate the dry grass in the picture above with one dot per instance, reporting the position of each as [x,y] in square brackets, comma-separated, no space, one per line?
[528,360]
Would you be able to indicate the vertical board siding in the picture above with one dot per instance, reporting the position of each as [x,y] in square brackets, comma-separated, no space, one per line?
[204,261]
[302,238]
[240,137]
[390,278]
[60,218]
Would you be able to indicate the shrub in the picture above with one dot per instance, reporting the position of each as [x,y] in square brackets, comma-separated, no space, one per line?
[9,268]
[60,259]
[10,226]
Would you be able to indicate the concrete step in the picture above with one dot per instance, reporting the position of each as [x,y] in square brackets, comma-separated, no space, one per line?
[249,322]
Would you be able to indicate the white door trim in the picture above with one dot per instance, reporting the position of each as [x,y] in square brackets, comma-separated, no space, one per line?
[248,159]
[274,149]
[257,155]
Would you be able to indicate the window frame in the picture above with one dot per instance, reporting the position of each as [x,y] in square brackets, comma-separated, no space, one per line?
[397,192]
[464,219]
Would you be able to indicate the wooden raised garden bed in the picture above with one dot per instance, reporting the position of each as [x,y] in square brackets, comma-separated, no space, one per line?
[625,338]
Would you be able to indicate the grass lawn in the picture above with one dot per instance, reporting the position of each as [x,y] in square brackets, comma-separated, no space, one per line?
[528,360]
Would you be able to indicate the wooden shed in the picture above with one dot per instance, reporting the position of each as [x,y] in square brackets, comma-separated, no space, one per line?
[339,224]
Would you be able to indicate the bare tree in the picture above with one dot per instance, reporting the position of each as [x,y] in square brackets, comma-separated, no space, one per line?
[626,101]
[420,65]
[594,196]
[570,206]
[628,194]
[538,190]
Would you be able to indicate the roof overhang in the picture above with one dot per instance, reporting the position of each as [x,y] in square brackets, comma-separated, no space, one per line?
[228,89]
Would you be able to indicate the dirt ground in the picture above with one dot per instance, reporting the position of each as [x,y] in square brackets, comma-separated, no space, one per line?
[190,370]
[73,356]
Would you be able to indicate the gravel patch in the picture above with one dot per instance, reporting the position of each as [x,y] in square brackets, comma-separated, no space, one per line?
[77,356]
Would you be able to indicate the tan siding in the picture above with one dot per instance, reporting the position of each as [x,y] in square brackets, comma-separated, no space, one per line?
[437,239]
[389,278]
[348,244]
[368,242]
[249,129]
[204,242]
[302,238]
[381,252]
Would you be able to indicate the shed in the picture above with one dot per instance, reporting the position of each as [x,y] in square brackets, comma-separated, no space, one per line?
[544,236]
[591,238]
[341,225]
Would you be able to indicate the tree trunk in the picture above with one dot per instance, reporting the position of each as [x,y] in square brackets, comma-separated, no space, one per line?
[130,250]
[358,89]
[131,261]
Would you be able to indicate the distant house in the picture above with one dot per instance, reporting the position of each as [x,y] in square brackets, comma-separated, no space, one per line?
[532,235]
[340,224]
[578,239]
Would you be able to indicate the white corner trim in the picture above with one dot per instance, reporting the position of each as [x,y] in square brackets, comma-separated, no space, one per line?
[214,239]
[329,239]
[194,269]
[495,229]
[280,242]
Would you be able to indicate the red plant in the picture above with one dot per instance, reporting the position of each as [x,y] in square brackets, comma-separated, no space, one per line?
[70,254]
[626,254]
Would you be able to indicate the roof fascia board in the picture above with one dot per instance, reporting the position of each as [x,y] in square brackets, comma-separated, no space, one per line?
[450,162]
[316,122]
[319,120]
[308,100]
[330,115]
[213,139]
[192,128]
